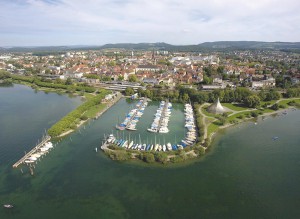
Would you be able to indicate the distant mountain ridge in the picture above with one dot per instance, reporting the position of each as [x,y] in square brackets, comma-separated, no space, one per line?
[207,46]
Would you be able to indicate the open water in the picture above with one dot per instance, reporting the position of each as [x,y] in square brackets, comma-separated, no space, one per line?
[246,174]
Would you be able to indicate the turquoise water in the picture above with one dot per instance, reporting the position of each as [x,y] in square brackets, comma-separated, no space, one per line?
[246,174]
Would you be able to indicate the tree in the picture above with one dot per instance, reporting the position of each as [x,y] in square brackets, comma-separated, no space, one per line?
[148,157]
[105,78]
[129,91]
[47,71]
[161,157]
[132,78]
[199,150]
[68,81]
[272,95]
[241,94]
[225,76]
[208,70]
[185,97]
[207,80]
[293,92]
[220,69]
[120,78]
[252,101]
[149,93]
[58,81]
[275,106]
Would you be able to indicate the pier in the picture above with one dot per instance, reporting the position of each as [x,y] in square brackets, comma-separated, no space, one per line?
[135,113]
[33,150]
[104,146]
[163,115]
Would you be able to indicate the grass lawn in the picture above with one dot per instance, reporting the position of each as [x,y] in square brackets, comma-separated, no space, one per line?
[204,111]
[92,112]
[212,128]
[208,120]
[88,96]
[285,102]
[242,115]
[266,110]
[270,103]
[235,107]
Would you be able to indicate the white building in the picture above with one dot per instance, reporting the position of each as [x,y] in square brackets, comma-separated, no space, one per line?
[264,83]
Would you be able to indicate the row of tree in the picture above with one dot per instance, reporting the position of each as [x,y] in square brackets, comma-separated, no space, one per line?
[57,84]
[293,92]
[199,122]
[69,121]
[240,95]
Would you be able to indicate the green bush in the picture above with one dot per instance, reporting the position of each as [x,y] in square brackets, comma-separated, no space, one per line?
[275,106]
[120,155]
[265,105]
[83,117]
[292,103]
[200,150]
[148,157]
[176,159]
[161,157]
[254,114]
[240,117]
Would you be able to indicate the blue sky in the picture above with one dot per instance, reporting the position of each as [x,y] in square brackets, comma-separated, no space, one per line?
[97,22]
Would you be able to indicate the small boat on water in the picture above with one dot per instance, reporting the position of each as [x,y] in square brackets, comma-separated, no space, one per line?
[8,206]
[275,138]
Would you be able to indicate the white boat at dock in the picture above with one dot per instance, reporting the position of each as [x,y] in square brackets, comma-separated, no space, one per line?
[130,145]
[133,116]
[29,161]
[161,118]
[169,146]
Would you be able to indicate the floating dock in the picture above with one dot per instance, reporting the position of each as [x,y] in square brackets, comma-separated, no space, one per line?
[34,150]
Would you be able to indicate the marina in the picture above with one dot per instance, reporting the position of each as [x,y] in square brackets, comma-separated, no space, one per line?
[145,146]
[191,134]
[161,118]
[160,123]
[77,182]
[133,116]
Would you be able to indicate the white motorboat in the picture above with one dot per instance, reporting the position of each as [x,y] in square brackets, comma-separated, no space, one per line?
[8,206]
[169,146]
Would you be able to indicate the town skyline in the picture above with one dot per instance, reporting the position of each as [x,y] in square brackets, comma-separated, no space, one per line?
[64,22]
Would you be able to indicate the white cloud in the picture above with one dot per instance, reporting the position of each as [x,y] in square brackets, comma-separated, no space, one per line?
[32,22]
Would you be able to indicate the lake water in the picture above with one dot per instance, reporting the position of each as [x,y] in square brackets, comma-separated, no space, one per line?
[245,175]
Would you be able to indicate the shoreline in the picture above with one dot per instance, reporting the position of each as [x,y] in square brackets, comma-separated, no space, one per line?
[108,105]
[229,125]
[198,151]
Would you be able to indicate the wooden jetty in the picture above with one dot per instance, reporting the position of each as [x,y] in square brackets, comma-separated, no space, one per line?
[33,150]
[104,146]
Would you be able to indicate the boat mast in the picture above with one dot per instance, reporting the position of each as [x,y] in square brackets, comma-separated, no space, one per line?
[140,138]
